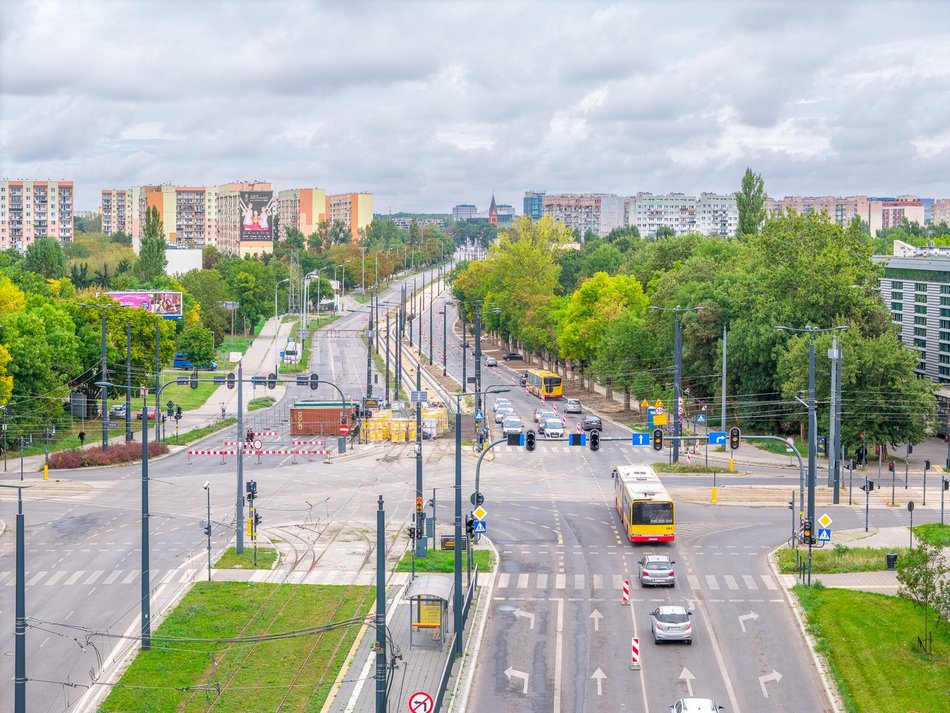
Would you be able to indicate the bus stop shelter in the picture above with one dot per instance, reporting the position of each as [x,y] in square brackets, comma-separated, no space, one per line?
[429,596]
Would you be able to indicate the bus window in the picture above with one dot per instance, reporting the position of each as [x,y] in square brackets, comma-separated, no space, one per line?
[653,513]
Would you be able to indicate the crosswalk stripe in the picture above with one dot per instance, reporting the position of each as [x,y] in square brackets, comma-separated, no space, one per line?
[522,581]
[168,576]
[112,577]
[768,581]
[618,581]
[74,578]
[578,581]
[693,581]
[94,576]
[36,578]
[730,581]
[129,577]
[503,580]
[559,581]
[749,581]
[598,581]
[5,574]
[542,581]
[55,578]
[711,581]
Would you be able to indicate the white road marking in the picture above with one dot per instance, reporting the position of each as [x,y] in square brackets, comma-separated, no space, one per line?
[503,580]
[559,581]
[55,578]
[578,581]
[94,576]
[730,581]
[693,581]
[74,578]
[542,581]
[769,582]
[749,581]
[522,581]
[598,581]
[558,651]
[711,581]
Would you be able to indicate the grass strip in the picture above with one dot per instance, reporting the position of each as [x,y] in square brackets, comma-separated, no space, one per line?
[444,561]
[841,559]
[298,671]
[266,556]
[662,467]
[869,641]
[934,533]
[303,364]
[261,402]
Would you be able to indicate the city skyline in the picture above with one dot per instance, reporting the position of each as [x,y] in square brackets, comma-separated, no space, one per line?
[427,105]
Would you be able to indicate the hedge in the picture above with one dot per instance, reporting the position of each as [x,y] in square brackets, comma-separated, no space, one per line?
[95,456]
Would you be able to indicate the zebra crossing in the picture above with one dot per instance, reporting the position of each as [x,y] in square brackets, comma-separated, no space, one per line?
[523,582]
[89,578]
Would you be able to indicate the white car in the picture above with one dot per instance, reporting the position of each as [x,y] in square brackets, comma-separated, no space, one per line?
[512,424]
[695,705]
[503,411]
[552,428]
[499,403]
[491,361]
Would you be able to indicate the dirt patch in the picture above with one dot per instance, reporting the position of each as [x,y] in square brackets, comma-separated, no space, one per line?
[745,495]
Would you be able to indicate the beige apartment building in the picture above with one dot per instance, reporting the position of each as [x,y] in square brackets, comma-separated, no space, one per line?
[35,209]
[245,218]
[114,207]
[841,210]
[353,209]
[940,213]
[302,209]
[597,212]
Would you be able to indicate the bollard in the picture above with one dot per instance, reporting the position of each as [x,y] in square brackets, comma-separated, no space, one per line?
[625,598]
[635,654]
[714,495]
[45,472]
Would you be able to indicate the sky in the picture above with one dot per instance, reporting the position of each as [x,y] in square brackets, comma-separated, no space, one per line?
[431,104]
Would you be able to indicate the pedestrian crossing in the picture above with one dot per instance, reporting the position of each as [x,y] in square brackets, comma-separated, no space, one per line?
[89,578]
[543,581]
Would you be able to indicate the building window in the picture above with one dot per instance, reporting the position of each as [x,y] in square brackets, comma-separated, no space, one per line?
[920,320]
[898,317]
[896,285]
[945,371]
[922,332]
[945,289]
[897,295]
[920,286]
[923,298]
[945,358]
[920,343]
[899,307]
[945,336]
[920,309]
[945,301]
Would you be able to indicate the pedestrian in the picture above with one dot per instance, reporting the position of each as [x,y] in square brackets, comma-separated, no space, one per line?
[82,438]
[250,436]
[222,410]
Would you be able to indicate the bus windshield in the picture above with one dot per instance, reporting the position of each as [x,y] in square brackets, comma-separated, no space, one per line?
[646,512]
[550,381]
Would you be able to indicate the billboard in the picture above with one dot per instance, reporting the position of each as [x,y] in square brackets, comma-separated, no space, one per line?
[258,209]
[164,304]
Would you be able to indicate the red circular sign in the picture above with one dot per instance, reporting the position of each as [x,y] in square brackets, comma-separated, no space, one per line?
[344,430]
[421,702]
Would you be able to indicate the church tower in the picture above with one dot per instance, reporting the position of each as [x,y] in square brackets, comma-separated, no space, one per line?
[493,212]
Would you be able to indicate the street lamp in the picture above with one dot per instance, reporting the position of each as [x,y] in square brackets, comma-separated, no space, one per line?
[277,324]
[207,488]
[105,398]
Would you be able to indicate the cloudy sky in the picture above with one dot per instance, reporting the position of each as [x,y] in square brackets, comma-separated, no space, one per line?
[429,104]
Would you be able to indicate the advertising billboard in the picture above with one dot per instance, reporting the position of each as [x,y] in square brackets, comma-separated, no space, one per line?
[164,304]
[258,209]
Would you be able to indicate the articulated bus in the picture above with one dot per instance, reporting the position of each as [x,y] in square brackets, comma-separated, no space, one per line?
[544,384]
[645,507]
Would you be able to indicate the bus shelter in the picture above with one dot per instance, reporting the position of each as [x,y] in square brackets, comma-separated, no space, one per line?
[429,596]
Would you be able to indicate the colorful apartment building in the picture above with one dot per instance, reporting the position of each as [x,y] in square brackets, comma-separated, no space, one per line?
[245,218]
[712,214]
[35,209]
[940,212]
[302,209]
[115,212]
[355,210]
[841,210]
[597,212]
[885,213]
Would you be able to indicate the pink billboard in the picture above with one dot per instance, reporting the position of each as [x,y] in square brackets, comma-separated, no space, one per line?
[164,304]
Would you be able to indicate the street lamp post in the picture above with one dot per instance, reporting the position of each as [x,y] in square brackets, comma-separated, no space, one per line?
[105,374]
[276,322]
[207,487]
[363,271]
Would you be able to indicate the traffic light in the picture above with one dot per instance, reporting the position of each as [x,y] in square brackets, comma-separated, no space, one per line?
[257,519]
[910,448]
[272,381]
[946,483]
[193,379]
[823,445]
[250,488]
[530,440]
[806,532]
[658,439]
[231,380]
[419,504]
[178,413]
[927,464]
[890,466]
[314,382]
[207,530]
[170,408]
[342,418]
[868,487]
[412,533]
[595,440]
[734,435]
[469,525]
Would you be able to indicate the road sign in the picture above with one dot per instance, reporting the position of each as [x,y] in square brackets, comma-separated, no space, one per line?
[283,354]
[477,498]
[700,418]
[480,512]
[258,444]
[717,438]
[481,527]
[824,534]
[479,417]
[825,521]
[111,424]
[640,439]
[421,702]
[418,397]
[344,430]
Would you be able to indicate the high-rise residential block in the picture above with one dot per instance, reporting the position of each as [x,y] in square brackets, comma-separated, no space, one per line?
[709,213]
[244,215]
[116,216]
[35,209]
[940,213]
[885,213]
[355,210]
[302,209]
[597,212]
[841,210]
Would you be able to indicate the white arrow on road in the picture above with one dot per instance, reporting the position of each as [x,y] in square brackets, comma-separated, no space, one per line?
[689,678]
[596,616]
[742,619]
[510,672]
[600,677]
[528,614]
[774,676]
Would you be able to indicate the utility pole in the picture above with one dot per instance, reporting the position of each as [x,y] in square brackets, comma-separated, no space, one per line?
[678,373]
[465,380]
[420,513]
[722,423]
[158,385]
[431,305]
[478,360]
[457,593]
[381,702]
[146,591]
[444,338]
[839,454]
[239,503]
[369,354]
[128,383]
[388,330]
[19,674]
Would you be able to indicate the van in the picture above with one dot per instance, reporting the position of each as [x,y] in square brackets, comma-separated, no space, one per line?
[182,363]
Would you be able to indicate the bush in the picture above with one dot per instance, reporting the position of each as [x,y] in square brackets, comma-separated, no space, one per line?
[95,456]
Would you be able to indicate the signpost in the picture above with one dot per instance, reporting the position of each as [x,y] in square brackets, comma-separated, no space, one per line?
[344,430]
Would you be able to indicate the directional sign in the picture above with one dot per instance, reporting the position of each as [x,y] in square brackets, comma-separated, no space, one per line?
[481,527]
[111,424]
[824,534]
[344,430]
[825,521]
[283,354]
[640,439]
[700,418]
[417,397]
[480,512]
[717,438]
[421,702]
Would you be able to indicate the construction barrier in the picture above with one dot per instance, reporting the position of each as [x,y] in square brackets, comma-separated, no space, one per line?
[626,592]
[211,453]
[635,654]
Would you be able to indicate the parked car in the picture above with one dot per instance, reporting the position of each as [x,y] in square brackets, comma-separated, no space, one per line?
[656,570]
[695,705]
[513,356]
[671,623]
[499,402]
[491,361]
[512,424]
[590,423]
[573,406]
[181,362]
[502,412]
[151,413]
[552,428]
[117,411]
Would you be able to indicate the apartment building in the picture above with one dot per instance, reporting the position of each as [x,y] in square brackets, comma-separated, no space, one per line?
[709,213]
[533,204]
[464,211]
[114,205]
[244,218]
[884,213]
[35,209]
[353,209]
[841,210]
[597,212]
[187,213]
[940,212]
[302,209]
[405,222]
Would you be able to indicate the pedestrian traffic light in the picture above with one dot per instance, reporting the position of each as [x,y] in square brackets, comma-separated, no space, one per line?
[257,519]
[946,483]
[193,380]
[272,381]
[530,440]
[890,466]
[927,464]
[734,436]
[658,439]
[823,445]
[419,504]
[868,486]
[231,380]
[178,413]
[208,530]
[469,525]
[910,448]
[314,382]
[412,533]
[250,488]
[594,440]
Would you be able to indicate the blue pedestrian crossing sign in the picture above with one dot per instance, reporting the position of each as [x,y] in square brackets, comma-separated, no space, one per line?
[479,416]
[481,527]
[717,438]
[700,418]
[640,439]
[824,534]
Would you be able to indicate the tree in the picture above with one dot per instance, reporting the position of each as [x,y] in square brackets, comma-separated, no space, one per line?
[665,231]
[197,344]
[45,257]
[210,292]
[921,573]
[152,261]
[750,202]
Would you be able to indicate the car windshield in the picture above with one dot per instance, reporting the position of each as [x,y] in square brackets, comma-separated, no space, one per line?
[549,416]
[679,617]
[658,565]
[552,423]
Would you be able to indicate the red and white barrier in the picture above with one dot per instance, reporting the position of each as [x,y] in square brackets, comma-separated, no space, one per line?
[635,654]
[308,443]
[211,453]
[578,427]
[625,596]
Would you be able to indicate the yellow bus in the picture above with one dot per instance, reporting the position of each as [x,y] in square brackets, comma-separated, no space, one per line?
[645,507]
[544,384]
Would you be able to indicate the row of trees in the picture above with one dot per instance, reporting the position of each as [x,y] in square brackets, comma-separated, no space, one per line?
[591,308]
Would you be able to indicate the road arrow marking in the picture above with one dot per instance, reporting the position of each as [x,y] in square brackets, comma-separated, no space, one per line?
[689,678]
[528,614]
[596,616]
[742,619]
[510,672]
[774,676]
[600,677]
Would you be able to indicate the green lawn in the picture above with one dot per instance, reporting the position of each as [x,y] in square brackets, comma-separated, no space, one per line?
[261,402]
[188,658]
[266,556]
[198,433]
[838,559]
[870,643]
[444,561]
[934,533]
[684,467]
[184,395]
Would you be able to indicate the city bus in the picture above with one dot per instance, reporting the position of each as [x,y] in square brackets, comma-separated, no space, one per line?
[645,507]
[543,384]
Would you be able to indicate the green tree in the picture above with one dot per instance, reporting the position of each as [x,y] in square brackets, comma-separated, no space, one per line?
[152,261]
[197,343]
[922,573]
[45,257]
[750,202]
[210,291]
[665,231]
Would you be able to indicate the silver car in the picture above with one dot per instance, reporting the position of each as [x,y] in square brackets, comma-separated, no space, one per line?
[671,623]
[502,412]
[695,705]
[552,428]
[512,424]
[573,406]
[656,570]
[499,403]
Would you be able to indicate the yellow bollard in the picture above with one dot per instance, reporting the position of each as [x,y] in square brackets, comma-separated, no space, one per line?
[45,472]
[714,491]
[732,465]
